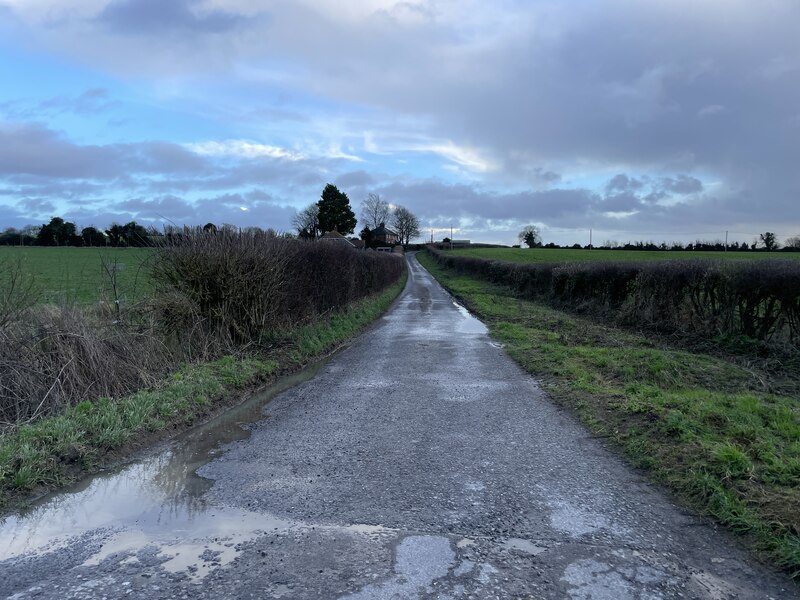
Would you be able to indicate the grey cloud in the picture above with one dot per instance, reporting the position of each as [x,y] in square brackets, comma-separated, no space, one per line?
[168,207]
[228,209]
[623,202]
[33,149]
[623,183]
[11,216]
[437,201]
[91,101]
[638,87]
[30,149]
[354,179]
[160,157]
[37,205]
[156,17]
[682,184]
[172,210]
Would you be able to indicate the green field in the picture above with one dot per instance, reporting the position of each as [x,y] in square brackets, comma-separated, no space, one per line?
[78,275]
[558,255]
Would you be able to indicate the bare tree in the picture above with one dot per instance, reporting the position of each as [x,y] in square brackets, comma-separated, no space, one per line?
[306,222]
[530,235]
[793,242]
[374,211]
[405,223]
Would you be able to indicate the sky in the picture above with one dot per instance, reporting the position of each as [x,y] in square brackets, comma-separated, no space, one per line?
[664,120]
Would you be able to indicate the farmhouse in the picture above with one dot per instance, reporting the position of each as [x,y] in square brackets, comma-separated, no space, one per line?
[383,235]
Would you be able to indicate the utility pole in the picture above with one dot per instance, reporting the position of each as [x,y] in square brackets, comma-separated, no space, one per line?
[451,237]
[590,238]
[726,241]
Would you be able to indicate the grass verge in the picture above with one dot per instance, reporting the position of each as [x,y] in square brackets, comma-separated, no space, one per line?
[58,450]
[722,437]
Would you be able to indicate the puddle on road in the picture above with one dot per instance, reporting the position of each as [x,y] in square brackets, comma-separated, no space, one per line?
[157,497]
[470,324]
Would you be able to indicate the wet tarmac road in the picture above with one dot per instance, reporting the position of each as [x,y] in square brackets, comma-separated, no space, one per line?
[420,462]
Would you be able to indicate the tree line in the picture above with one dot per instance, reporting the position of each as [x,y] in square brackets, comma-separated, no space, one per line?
[59,232]
[332,212]
[766,241]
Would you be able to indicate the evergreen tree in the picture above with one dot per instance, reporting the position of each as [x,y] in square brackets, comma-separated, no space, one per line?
[57,232]
[335,212]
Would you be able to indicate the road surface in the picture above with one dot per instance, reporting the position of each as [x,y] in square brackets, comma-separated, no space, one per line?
[420,462]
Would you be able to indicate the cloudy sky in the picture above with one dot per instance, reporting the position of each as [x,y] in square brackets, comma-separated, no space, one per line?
[640,119]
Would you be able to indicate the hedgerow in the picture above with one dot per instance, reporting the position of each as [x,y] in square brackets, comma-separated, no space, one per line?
[756,301]
[215,293]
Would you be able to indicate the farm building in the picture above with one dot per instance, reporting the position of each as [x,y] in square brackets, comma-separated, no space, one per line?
[383,235]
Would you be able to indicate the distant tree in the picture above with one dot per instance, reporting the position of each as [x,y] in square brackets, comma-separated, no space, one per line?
[335,212]
[210,228]
[115,235]
[57,232]
[306,222]
[405,223]
[446,240]
[10,237]
[92,237]
[135,235]
[374,211]
[530,236]
[793,242]
[769,240]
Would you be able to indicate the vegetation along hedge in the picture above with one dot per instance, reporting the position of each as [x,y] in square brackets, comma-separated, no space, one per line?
[214,293]
[757,300]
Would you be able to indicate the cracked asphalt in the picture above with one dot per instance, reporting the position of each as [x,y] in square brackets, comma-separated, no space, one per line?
[420,462]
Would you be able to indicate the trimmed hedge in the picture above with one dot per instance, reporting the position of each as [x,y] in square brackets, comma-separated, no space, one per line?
[759,300]
[236,288]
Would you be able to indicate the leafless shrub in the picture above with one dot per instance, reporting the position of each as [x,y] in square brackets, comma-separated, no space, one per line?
[18,290]
[235,288]
[755,300]
[57,356]
[221,292]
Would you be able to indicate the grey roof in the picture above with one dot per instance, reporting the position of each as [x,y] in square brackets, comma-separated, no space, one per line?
[382,230]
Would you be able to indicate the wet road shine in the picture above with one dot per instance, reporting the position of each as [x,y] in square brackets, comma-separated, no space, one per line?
[420,462]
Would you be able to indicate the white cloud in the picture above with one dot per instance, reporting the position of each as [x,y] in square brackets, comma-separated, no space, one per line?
[242,149]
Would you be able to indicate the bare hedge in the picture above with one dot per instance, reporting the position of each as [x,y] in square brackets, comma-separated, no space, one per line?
[759,300]
[241,288]
[223,292]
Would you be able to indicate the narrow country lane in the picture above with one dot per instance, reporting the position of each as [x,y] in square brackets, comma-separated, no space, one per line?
[420,462]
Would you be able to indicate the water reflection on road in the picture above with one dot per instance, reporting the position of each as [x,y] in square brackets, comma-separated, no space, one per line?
[155,499]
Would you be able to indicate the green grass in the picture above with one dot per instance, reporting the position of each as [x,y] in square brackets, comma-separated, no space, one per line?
[78,275]
[724,438]
[559,255]
[56,450]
